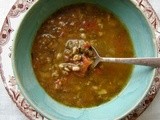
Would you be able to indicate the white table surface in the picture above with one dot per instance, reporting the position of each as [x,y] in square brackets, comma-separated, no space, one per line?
[9,111]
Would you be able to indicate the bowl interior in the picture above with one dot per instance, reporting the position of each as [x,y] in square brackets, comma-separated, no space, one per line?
[133,93]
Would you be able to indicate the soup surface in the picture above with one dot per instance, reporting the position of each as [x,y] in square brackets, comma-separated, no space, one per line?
[99,28]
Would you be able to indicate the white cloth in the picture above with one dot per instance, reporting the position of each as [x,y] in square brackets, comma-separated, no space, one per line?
[9,111]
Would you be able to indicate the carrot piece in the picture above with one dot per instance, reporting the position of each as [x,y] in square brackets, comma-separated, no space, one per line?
[86,63]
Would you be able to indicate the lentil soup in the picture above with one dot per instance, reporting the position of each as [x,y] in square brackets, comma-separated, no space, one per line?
[95,26]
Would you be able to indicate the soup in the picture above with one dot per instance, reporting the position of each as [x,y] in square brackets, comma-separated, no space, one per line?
[96,26]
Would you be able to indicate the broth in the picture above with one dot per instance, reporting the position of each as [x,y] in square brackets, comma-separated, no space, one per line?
[100,28]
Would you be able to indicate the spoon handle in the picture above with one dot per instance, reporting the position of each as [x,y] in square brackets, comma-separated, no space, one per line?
[153,62]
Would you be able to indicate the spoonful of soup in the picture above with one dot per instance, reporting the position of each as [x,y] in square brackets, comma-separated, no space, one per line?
[80,55]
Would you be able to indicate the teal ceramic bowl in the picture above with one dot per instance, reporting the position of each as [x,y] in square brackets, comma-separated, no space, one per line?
[137,87]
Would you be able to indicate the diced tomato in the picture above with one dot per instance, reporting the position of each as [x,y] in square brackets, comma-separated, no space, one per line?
[98,71]
[91,25]
[87,45]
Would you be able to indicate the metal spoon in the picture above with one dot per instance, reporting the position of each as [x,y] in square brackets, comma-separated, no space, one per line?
[147,61]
